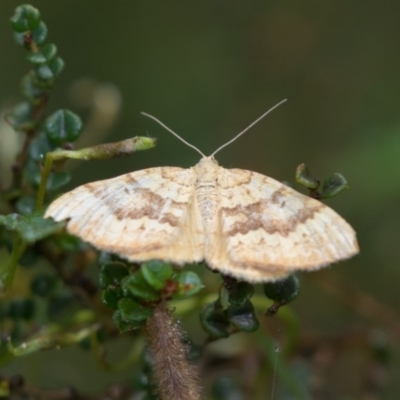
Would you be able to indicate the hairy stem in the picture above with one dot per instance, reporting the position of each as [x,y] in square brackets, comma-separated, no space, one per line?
[174,377]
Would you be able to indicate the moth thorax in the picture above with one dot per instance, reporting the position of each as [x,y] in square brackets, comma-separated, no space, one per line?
[206,188]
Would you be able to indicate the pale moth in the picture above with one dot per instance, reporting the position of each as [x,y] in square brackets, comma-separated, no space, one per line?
[239,222]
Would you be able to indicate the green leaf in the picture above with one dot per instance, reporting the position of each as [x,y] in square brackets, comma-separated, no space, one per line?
[63,126]
[214,323]
[45,53]
[303,177]
[25,205]
[333,186]
[20,117]
[37,35]
[25,18]
[122,325]
[156,273]
[69,243]
[44,73]
[30,227]
[31,90]
[223,298]
[189,284]
[9,221]
[132,311]
[47,73]
[56,65]
[57,180]
[282,291]
[240,293]
[111,296]
[40,145]
[111,274]
[243,317]
[135,285]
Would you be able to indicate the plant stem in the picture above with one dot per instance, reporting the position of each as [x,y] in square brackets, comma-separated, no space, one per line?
[7,275]
[174,377]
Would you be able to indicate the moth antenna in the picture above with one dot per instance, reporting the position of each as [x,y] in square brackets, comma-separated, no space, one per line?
[250,126]
[171,131]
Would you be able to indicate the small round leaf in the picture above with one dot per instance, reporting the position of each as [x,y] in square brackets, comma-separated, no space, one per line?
[40,145]
[282,291]
[156,273]
[213,322]
[25,18]
[111,274]
[20,117]
[31,90]
[63,126]
[111,296]
[37,36]
[304,177]
[224,297]
[333,186]
[43,55]
[243,317]
[44,73]
[240,293]
[189,284]
[132,311]
[56,65]
[25,205]
[135,285]
[69,243]
[57,180]
[122,325]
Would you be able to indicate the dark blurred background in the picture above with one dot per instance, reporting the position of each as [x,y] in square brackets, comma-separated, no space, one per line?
[208,69]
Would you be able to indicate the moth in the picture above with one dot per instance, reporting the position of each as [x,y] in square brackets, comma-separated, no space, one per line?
[240,223]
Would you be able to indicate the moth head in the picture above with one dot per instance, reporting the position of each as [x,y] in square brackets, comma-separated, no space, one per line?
[208,160]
